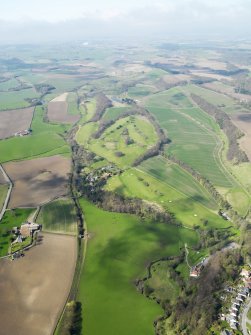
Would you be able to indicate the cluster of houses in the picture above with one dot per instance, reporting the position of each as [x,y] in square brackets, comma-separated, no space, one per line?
[27,229]
[100,175]
[232,317]
[22,133]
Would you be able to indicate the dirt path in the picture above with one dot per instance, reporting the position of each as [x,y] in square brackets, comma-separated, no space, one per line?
[9,182]
[187,253]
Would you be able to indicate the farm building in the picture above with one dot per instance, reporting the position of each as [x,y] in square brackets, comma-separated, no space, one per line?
[28,229]
[196,270]
[23,132]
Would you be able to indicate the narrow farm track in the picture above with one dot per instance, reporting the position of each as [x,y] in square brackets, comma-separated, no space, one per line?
[8,193]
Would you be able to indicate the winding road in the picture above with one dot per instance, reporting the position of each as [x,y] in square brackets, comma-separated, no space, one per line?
[9,182]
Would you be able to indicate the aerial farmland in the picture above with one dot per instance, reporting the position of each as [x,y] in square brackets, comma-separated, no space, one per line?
[134,167]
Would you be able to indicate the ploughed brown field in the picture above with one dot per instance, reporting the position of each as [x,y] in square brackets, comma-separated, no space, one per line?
[243,122]
[34,288]
[58,110]
[13,121]
[38,181]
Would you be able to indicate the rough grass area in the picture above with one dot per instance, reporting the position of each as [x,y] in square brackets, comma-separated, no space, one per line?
[164,287]
[11,218]
[119,248]
[58,216]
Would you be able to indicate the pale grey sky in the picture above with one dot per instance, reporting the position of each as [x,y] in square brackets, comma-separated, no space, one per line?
[84,18]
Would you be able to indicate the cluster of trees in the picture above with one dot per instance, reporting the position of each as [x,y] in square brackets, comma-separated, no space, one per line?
[162,139]
[232,132]
[44,88]
[213,237]
[245,240]
[114,202]
[243,84]
[104,124]
[71,323]
[102,102]
[199,303]
[162,85]
[230,72]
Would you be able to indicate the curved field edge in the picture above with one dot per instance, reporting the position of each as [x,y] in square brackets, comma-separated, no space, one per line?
[58,216]
[119,248]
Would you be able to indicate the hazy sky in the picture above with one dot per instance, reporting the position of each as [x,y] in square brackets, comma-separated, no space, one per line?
[31,20]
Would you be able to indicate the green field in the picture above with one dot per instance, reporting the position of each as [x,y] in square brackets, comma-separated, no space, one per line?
[16,99]
[58,217]
[3,193]
[219,100]
[114,112]
[89,109]
[9,84]
[84,133]
[62,85]
[113,140]
[193,142]
[140,90]
[164,287]
[46,140]
[72,104]
[11,218]
[188,209]
[173,175]
[119,248]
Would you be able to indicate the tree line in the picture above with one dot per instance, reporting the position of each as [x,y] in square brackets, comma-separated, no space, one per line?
[233,134]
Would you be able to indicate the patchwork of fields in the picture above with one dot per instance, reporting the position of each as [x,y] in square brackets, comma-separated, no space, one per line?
[80,149]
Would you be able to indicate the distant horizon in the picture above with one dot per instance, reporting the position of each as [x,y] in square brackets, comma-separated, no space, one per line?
[29,22]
